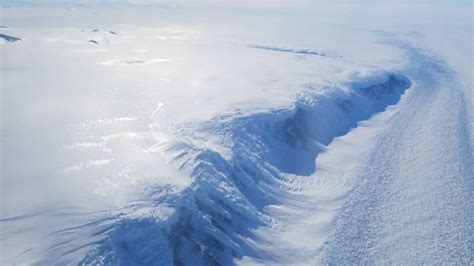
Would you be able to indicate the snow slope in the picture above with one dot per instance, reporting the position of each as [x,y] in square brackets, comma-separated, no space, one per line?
[247,133]
[413,199]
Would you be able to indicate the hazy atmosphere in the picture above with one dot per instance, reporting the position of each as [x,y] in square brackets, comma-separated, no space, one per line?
[201,132]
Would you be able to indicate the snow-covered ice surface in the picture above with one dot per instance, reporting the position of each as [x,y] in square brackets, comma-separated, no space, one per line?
[236,132]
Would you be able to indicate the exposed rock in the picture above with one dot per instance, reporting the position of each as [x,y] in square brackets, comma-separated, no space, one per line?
[9,38]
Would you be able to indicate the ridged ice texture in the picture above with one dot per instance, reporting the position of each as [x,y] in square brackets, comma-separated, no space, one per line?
[216,216]
[412,203]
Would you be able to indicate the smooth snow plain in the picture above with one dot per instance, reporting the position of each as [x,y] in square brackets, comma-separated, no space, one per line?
[236,132]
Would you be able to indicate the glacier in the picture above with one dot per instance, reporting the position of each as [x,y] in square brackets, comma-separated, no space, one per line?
[250,133]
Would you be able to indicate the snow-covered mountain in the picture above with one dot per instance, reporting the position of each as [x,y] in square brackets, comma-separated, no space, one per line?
[236,132]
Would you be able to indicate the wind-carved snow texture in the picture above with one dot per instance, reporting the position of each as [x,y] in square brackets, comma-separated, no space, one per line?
[413,200]
[216,217]
[271,187]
